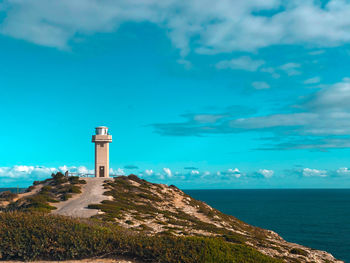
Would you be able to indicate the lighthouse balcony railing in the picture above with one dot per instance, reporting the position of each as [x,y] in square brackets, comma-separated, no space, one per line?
[101,138]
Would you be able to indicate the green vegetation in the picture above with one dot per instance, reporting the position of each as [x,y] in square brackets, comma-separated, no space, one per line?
[298,251]
[127,197]
[58,188]
[7,196]
[234,238]
[23,236]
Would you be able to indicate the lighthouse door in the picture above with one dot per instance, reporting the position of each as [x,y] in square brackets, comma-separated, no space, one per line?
[102,171]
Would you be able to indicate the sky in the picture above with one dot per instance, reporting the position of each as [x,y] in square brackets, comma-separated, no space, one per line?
[231,94]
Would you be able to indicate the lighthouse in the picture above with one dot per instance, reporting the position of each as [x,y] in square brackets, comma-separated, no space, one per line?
[101,140]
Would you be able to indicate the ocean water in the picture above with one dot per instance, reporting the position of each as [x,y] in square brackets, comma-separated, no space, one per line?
[13,189]
[315,218]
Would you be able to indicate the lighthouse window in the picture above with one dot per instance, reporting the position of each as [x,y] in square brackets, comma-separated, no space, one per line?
[102,145]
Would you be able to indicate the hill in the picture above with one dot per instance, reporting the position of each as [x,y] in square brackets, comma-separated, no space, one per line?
[161,214]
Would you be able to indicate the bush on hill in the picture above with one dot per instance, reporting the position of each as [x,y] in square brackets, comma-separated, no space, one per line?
[7,196]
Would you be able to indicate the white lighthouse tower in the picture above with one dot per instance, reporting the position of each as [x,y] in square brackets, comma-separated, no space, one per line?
[101,140]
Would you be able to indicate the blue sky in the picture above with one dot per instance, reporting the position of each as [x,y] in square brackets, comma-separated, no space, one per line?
[243,94]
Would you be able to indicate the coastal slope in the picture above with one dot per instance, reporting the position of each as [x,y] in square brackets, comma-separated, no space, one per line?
[158,208]
[155,210]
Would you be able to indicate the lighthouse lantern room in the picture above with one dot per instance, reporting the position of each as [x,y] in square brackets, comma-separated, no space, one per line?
[101,139]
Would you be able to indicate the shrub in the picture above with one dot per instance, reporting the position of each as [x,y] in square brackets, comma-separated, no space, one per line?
[66,196]
[145,227]
[298,251]
[7,196]
[234,238]
[135,178]
[74,189]
[30,188]
[46,188]
[57,175]
[38,202]
[129,222]
[74,179]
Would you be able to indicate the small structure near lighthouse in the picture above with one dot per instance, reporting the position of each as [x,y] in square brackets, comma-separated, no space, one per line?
[101,139]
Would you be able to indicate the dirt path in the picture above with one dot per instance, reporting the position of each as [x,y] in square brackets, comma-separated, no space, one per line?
[92,193]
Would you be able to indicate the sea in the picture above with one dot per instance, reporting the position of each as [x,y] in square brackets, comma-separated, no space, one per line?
[317,218]
[13,189]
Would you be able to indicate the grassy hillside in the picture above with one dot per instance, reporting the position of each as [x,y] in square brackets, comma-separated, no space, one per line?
[34,236]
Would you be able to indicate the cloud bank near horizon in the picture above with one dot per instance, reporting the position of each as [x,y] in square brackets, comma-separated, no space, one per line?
[25,175]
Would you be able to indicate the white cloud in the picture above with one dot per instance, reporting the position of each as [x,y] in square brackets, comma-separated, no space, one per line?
[208,118]
[206,173]
[266,173]
[229,173]
[76,169]
[224,27]
[326,112]
[312,80]
[160,176]
[316,52]
[319,121]
[243,63]
[291,68]
[119,171]
[22,171]
[249,64]
[168,172]
[186,63]
[64,168]
[149,171]
[335,97]
[24,175]
[272,71]
[260,85]
[343,171]
[314,172]
[84,170]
